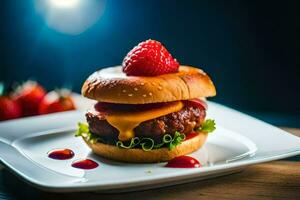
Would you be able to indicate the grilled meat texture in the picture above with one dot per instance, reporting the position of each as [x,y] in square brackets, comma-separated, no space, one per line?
[183,121]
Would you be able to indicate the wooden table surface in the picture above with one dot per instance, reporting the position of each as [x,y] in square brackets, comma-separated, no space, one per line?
[273,180]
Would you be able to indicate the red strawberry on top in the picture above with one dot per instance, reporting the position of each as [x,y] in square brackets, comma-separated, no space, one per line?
[149,58]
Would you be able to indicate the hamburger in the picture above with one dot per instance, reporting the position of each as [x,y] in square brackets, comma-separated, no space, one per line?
[150,109]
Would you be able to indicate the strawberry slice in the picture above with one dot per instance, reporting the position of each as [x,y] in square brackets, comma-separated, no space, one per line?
[113,107]
[191,135]
[198,103]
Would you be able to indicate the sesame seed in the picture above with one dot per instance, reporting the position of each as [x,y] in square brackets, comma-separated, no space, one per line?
[130,95]
[144,95]
[159,87]
[135,89]
[150,94]
[142,83]
[124,91]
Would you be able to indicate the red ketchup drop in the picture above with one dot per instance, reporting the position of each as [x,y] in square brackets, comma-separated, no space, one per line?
[183,162]
[85,164]
[61,154]
[191,135]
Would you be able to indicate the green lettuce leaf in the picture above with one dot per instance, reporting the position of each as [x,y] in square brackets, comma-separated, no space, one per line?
[176,140]
[208,126]
[146,144]
[83,131]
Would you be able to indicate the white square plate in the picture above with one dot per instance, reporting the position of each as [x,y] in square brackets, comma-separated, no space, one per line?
[239,140]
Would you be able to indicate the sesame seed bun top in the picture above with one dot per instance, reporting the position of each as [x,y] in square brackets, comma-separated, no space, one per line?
[113,86]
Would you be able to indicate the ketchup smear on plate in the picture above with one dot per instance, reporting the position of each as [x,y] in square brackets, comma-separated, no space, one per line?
[85,164]
[183,162]
[61,154]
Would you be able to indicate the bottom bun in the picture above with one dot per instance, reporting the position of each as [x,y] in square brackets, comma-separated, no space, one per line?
[152,156]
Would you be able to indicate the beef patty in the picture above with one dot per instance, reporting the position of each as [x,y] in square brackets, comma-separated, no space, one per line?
[183,121]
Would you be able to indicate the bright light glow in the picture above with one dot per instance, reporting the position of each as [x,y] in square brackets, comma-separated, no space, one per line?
[64,3]
[70,16]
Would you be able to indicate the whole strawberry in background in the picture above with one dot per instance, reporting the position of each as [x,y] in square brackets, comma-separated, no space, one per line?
[9,109]
[28,96]
[56,101]
[149,58]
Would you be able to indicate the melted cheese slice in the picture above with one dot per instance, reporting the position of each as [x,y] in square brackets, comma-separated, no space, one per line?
[125,122]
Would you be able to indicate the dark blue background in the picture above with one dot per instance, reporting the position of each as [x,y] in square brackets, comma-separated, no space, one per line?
[249,48]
